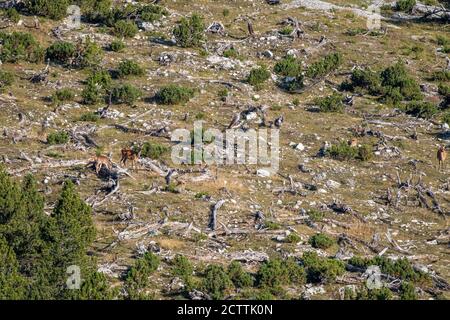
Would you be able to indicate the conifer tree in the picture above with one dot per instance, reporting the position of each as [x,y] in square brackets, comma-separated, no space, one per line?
[12,284]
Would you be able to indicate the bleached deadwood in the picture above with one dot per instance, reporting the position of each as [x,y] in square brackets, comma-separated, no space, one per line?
[50,165]
[82,135]
[115,188]
[150,164]
[160,132]
[216,27]
[213,215]
[24,156]
[248,256]
[394,243]
[112,269]
[198,295]
[409,188]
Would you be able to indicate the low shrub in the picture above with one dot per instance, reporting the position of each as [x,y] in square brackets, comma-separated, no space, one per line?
[408,291]
[89,117]
[174,94]
[12,15]
[223,94]
[189,31]
[85,55]
[127,94]
[288,67]
[315,215]
[53,9]
[443,75]
[258,76]
[446,118]
[271,225]
[216,281]
[59,137]
[421,109]
[61,52]
[91,94]
[277,272]
[182,267]
[287,30]
[62,95]
[239,277]
[321,241]
[400,268]
[291,84]
[100,78]
[96,11]
[129,68]
[19,46]
[6,79]
[293,238]
[399,85]
[90,55]
[332,103]
[343,151]
[365,152]
[117,45]
[355,31]
[126,29]
[442,40]
[153,150]
[364,79]
[444,91]
[231,53]
[137,277]
[152,13]
[320,269]
[405,5]
[324,66]
[97,84]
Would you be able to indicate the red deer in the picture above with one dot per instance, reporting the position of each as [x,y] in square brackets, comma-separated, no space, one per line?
[353,142]
[441,156]
[99,162]
[129,155]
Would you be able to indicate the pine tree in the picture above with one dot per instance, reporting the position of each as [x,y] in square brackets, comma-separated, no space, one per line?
[12,284]
[94,287]
[9,197]
[70,230]
[25,226]
[36,250]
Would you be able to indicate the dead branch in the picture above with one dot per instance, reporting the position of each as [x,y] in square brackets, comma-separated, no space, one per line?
[213,216]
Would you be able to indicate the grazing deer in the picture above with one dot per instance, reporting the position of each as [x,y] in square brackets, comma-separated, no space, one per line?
[353,142]
[99,162]
[129,154]
[441,156]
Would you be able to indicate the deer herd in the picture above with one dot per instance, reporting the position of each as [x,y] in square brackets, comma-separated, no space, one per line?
[132,156]
[103,161]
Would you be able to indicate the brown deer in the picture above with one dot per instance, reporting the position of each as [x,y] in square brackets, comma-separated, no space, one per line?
[441,156]
[129,155]
[99,162]
[353,142]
